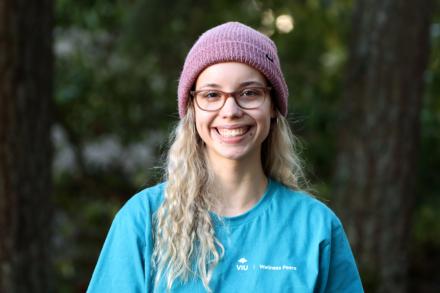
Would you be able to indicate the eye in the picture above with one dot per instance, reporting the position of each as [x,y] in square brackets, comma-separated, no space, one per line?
[210,94]
[251,92]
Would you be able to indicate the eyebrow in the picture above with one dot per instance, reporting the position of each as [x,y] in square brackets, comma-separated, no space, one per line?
[243,84]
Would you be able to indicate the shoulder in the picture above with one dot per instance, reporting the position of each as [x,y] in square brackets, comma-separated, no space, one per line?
[144,203]
[304,207]
[123,262]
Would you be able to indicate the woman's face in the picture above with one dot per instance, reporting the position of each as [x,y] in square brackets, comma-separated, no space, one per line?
[232,132]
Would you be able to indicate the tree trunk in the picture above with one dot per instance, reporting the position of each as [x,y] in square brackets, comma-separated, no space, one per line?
[378,143]
[26,72]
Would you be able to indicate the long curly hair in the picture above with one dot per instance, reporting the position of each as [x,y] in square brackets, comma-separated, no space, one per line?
[185,243]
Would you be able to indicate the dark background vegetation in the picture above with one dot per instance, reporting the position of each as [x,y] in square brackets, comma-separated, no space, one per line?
[116,68]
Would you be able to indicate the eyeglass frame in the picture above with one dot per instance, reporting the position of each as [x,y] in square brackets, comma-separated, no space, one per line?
[233,94]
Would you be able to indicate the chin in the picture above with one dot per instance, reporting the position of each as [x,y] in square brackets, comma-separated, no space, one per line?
[233,155]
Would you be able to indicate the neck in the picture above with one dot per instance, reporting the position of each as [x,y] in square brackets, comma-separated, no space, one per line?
[239,185]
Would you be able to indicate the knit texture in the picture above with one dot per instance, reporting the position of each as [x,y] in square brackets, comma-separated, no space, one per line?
[233,42]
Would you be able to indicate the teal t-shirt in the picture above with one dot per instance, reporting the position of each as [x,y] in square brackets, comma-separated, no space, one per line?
[288,242]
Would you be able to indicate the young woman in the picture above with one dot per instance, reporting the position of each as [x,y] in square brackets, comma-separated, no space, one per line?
[230,216]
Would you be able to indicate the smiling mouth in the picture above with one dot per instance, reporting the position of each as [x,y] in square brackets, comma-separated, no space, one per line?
[224,132]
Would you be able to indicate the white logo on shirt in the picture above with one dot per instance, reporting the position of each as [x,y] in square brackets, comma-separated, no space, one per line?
[244,266]
[242,260]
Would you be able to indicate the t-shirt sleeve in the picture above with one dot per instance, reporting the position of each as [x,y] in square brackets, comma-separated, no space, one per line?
[122,265]
[338,271]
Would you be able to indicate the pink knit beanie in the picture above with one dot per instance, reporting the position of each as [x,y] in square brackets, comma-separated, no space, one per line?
[230,42]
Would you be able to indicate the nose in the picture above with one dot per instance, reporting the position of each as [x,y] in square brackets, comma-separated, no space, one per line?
[231,108]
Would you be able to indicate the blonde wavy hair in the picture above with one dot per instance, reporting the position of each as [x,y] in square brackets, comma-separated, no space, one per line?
[185,242]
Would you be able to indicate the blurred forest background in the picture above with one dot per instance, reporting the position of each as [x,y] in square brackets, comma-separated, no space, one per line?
[89,88]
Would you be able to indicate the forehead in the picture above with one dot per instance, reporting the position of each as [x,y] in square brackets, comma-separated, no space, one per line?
[229,74]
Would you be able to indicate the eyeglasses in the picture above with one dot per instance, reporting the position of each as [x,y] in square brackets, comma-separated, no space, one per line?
[247,98]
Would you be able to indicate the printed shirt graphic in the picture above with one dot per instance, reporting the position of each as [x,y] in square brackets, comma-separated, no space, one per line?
[288,242]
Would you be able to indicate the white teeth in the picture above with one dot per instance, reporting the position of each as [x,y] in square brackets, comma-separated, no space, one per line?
[232,132]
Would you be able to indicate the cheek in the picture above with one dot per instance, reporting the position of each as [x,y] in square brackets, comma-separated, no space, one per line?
[201,133]
[199,128]
[202,124]
[266,126]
